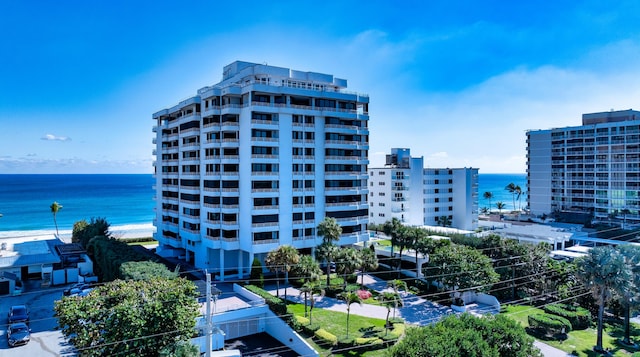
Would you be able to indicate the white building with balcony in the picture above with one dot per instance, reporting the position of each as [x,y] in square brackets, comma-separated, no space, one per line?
[591,170]
[405,190]
[257,161]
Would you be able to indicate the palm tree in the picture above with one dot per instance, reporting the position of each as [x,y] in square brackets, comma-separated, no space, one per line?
[629,292]
[404,239]
[329,230]
[368,262]
[518,192]
[289,258]
[282,259]
[397,285]
[327,252]
[391,228]
[418,237]
[488,196]
[500,206]
[389,300]
[347,261]
[350,298]
[485,210]
[314,289]
[309,269]
[55,208]
[511,188]
[601,271]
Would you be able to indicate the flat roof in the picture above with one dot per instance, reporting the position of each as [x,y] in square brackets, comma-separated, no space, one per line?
[25,251]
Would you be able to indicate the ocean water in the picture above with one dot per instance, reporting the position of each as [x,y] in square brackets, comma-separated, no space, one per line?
[126,201]
[496,183]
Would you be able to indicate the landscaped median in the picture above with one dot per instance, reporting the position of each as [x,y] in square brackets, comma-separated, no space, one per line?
[327,329]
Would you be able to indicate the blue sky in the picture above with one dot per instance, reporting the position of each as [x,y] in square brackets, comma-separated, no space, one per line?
[458,82]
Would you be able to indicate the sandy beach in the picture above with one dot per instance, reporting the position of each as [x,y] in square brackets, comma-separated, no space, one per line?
[123,231]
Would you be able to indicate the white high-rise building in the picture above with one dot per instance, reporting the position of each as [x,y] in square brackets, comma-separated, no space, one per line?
[591,170]
[257,161]
[405,190]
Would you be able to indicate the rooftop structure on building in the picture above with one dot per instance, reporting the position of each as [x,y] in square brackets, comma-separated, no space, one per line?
[257,161]
[590,172]
[405,190]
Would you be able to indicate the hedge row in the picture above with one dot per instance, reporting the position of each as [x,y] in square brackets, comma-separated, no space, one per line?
[326,337]
[579,317]
[275,304]
[550,324]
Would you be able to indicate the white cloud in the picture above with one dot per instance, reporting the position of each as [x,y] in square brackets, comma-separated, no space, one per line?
[51,137]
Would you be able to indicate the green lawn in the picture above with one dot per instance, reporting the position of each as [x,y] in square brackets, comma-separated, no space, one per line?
[579,342]
[336,323]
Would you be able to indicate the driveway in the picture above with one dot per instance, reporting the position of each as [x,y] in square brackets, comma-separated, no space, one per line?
[45,339]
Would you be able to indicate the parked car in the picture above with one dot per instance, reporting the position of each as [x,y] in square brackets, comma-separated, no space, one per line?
[75,289]
[82,293]
[18,313]
[18,334]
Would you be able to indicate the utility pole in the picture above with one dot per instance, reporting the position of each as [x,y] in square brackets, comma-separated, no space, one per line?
[208,334]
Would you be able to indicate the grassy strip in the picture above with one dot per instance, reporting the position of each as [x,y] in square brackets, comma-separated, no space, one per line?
[581,342]
[336,323]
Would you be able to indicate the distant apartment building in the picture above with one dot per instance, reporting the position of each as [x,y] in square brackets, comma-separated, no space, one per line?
[592,169]
[405,190]
[257,161]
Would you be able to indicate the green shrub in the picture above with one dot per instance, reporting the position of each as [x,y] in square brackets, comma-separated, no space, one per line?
[256,277]
[345,342]
[398,329]
[326,337]
[366,341]
[302,320]
[311,328]
[550,324]
[580,318]
[275,304]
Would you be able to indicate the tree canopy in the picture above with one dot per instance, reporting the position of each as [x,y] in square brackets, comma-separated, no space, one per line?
[466,335]
[461,266]
[129,317]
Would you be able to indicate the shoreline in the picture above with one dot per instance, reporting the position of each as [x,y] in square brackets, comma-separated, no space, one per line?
[140,230]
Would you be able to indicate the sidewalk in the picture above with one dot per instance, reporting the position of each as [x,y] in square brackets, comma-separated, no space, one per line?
[416,310]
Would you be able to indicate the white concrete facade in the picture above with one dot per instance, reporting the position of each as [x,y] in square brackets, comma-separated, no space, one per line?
[405,190]
[592,169]
[257,161]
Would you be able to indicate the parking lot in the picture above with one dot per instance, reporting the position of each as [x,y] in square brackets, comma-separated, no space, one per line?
[45,339]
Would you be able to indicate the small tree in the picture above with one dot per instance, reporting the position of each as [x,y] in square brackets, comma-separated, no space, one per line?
[389,300]
[309,270]
[397,285]
[368,262]
[327,252]
[347,261]
[350,298]
[500,206]
[55,208]
[282,259]
[392,229]
[314,289]
[257,276]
